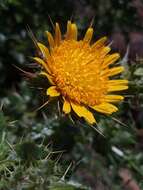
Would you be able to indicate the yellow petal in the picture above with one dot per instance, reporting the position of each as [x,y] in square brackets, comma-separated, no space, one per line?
[66,107]
[118,82]
[88,35]
[99,43]
[69,30]
[52,91]
[44,50]
[117,85]
[82,111]
[43,63]
[48,77]
[110,59]
[113,98]
[117,88]
[57,35]
[50,39]
[116,70]
[74,32]
[105,51]
[105,108]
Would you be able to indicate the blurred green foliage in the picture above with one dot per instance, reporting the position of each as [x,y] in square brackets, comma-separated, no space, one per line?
[44,149]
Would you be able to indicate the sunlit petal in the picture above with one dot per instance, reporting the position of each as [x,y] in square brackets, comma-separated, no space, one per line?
[66,107]
[52,91]
[81,111]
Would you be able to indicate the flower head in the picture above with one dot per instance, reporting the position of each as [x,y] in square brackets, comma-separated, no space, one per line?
[80,72]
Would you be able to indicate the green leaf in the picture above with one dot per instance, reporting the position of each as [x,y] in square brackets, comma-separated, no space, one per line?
[139,72]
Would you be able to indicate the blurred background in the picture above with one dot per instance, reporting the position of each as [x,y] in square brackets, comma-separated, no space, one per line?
[44,149]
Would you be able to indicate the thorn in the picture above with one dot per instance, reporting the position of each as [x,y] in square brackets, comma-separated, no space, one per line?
[118,121]
[58,151]
[11,146]
[11,123]
[42,142]
[125,58]
[63,177]
[129,96]
[1,105]
[92,22]
[47,156]
[55,152]
[45,116]
[31,35]
[70,117]
[96,129]
[21,139]
[43,105]
[28,74]
[51,22]
[10,172]
[49,144]
[71,17]
[59,110]
[59,157]
[110,43]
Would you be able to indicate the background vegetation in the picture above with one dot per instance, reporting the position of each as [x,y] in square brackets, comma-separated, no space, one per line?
[44,149]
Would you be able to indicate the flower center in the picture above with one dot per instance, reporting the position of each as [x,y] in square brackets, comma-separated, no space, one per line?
[77,72]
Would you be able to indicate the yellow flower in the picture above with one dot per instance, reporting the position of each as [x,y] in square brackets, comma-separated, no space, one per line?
[80,72]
